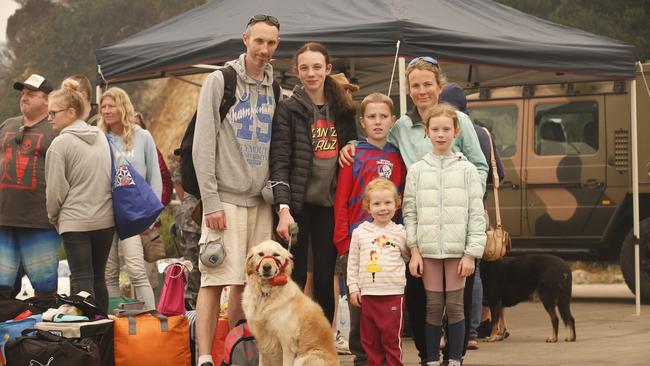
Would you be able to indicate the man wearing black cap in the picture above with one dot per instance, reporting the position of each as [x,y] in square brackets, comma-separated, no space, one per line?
[26,236]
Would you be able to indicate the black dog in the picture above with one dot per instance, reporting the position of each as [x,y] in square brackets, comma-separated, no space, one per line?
[511,280]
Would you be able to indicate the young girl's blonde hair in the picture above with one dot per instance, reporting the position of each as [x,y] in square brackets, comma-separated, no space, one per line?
[124,105]
[69,96]
[441,109]
[379,184]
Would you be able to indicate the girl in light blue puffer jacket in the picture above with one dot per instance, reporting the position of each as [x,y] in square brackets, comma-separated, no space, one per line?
[445,226]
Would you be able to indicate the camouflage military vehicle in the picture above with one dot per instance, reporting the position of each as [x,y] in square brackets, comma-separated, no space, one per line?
[567,156]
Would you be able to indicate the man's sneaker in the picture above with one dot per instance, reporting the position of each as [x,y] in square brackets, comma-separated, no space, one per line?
[342,346]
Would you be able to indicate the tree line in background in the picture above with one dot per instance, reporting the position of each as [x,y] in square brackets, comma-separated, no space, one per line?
[624,20]
[59,38]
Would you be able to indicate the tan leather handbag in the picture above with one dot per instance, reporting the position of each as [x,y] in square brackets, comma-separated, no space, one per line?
[153,245]
[498,240]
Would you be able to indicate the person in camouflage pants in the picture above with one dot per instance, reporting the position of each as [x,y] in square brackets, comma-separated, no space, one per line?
[189,233]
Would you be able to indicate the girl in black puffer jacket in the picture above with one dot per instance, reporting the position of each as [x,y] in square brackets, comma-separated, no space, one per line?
[309,129]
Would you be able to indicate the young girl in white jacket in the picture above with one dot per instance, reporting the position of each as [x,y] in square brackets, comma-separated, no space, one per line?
[445,226]
[376,274]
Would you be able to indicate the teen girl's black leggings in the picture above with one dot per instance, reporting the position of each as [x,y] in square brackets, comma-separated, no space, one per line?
[316,225]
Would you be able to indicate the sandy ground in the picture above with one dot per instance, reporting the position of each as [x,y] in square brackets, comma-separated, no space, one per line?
[608,333]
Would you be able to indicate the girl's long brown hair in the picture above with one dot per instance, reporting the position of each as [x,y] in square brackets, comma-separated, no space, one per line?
[334,92]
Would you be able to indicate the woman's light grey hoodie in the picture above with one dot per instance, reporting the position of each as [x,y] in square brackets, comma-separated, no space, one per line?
[78,178]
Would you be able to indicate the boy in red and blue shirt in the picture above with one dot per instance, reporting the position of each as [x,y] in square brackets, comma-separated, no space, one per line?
[375,157]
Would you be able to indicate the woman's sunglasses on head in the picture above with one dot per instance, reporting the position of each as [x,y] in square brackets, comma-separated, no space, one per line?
[428,59]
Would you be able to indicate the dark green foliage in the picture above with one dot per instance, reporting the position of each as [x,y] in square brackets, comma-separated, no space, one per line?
[59,38]
[625,20]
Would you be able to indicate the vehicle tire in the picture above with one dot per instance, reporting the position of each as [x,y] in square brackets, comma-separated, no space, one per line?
[627,260]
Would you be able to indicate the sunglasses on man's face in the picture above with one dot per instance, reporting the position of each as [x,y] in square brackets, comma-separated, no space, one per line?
[428,59]
[264,18]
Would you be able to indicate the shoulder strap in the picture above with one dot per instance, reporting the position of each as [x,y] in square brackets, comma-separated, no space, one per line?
[110,149]
[122,156]
[277,92]
[229,87]
[495,178]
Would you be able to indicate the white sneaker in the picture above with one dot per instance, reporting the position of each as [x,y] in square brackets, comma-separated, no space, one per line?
[342,346]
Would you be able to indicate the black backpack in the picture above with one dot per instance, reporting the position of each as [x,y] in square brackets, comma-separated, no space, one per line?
[188,174]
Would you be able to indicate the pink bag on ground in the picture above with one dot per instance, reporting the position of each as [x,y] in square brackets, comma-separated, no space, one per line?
[172,295]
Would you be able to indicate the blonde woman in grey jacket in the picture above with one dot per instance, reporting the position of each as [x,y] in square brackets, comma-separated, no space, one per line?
[445,227]
[136,146]
[78,191]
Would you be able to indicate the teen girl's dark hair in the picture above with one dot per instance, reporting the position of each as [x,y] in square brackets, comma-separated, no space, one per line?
[334,92]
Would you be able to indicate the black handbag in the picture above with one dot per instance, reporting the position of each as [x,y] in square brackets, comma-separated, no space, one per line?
[10,308]
[46,349]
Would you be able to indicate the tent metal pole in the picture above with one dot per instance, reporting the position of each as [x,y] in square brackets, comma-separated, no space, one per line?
[402,86]
[186,81]
[635,197]
[98,88]
[98,94]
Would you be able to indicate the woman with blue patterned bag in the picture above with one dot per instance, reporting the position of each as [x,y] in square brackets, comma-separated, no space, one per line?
[136,146]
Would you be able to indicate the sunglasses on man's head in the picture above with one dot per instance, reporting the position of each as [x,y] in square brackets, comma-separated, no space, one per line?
[264,18]
[428,59]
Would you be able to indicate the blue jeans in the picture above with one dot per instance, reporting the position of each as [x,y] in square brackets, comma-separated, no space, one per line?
[477,301]
[36,249]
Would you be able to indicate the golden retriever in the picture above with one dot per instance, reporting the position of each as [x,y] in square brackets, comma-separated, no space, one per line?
[290,329]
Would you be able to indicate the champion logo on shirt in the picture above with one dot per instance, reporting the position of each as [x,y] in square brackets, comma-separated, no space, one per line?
[253,136]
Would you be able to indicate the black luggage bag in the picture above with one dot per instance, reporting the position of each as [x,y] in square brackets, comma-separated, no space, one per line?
[46,349]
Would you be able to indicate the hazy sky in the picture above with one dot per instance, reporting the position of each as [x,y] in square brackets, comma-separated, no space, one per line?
[7,8]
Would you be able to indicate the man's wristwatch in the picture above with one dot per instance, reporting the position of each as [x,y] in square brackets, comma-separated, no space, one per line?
[282,207]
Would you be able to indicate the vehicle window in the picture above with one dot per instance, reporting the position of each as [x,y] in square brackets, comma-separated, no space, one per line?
[566,129]
[501,121]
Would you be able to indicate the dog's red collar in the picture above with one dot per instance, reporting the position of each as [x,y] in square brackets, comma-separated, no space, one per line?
[280,279]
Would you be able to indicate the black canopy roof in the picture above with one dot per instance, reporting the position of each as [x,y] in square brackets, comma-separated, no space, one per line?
[480,42]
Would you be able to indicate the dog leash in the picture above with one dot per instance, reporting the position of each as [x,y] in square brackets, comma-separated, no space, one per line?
[293,235]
